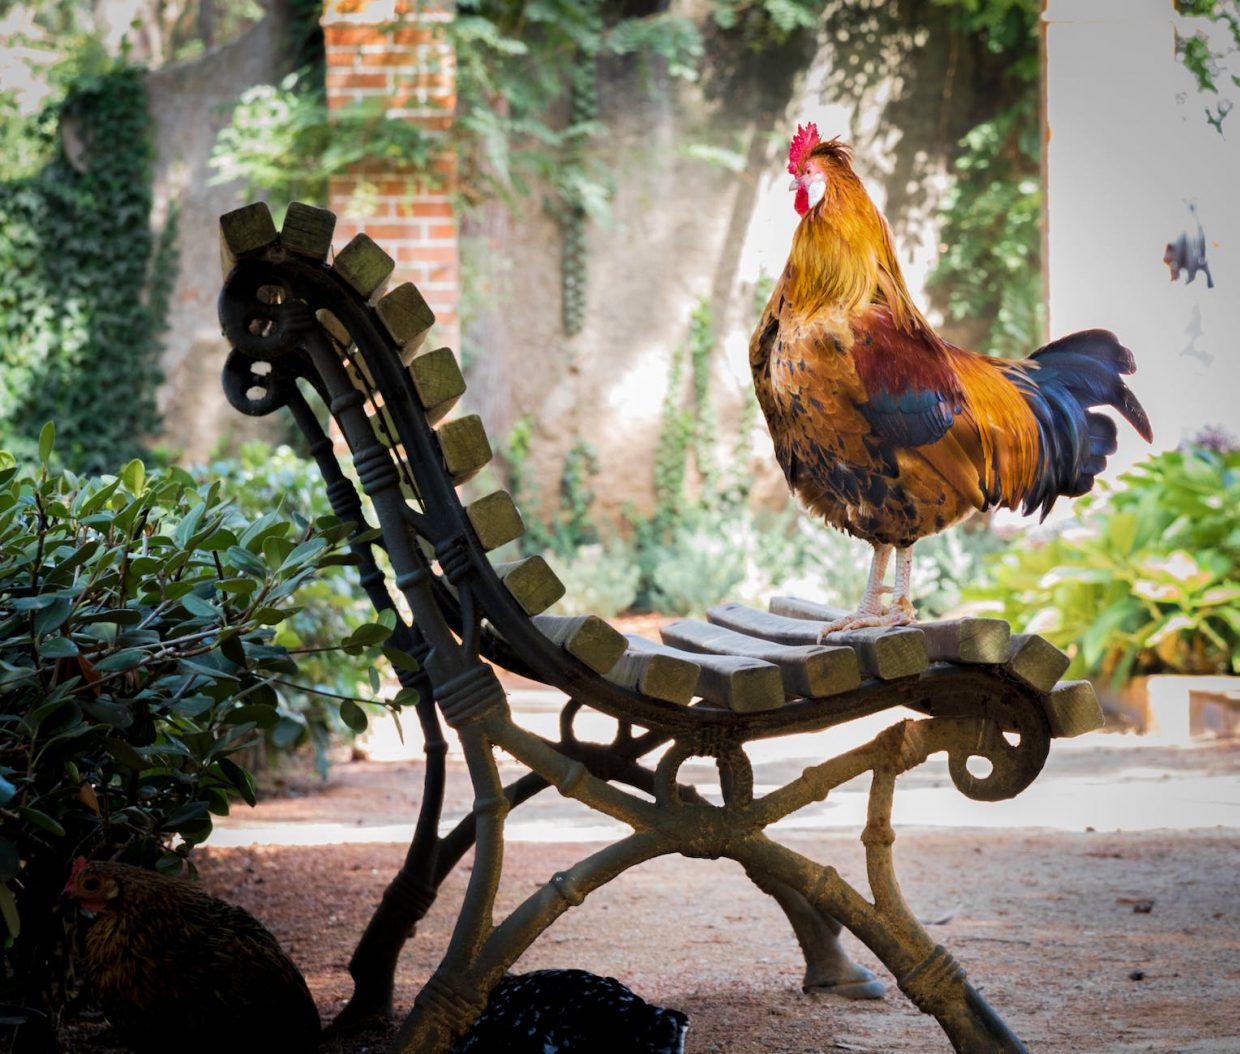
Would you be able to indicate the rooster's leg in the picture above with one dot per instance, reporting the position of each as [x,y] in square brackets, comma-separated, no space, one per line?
[876,584]
[901,600]
[871,612]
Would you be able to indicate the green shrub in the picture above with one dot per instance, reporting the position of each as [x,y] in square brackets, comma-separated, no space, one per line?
[137,615]
[330,606]
[1150,582]
[599,580]
[699,565]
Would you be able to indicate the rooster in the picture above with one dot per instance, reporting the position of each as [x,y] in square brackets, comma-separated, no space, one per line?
[882,427]
[173,968]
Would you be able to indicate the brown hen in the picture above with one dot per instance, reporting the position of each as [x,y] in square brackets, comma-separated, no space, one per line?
[174,968]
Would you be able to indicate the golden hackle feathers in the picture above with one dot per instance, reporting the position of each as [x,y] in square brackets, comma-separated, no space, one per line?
[843,255]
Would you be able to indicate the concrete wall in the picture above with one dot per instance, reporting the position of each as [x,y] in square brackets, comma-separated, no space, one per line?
[684,229]
[190,103]
[1128,145]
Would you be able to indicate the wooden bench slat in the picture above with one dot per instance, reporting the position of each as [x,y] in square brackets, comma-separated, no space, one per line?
[438,381]
[308,231]
[1036,662]
[245,230]
[466,448]
[732,681]
[496,520]
[364,266]
[587,637]
[532,582]
[967,640]
[887,653]
[656,673]
[808,668]
[1072,709]
[407,318]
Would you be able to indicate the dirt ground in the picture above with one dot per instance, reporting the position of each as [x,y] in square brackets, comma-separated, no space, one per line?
[1048,924]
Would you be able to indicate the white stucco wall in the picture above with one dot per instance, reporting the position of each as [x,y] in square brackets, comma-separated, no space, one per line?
[1128,145]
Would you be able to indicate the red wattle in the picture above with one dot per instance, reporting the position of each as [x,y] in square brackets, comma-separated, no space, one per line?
[801,201]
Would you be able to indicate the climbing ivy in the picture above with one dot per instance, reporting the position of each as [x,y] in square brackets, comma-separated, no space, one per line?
[86,279]
[989,272]
[527,117]
[1207,65]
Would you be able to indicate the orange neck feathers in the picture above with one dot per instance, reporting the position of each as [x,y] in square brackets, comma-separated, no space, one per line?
[843,258]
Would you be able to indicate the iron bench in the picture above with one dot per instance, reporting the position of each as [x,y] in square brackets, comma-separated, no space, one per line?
[292,314]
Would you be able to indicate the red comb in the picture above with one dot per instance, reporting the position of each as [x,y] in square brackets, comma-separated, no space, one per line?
[802,143]
[78,864]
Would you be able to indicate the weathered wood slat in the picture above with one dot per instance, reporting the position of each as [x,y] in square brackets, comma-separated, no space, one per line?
[308,231]
[657,674]
[245,230]
[968,640]
[808,669]
[438,381]
[1035,661]
[496,520]
[364,266]
[1072,709]
[885,653]
[406,317]
[587,637]
[731,681]
[532,582]
[465,446]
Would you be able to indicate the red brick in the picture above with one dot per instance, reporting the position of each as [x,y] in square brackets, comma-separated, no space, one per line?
[424,208]
[409,35]
[399,57]
[441,230]
[387,232]
[335,33]
[347,81]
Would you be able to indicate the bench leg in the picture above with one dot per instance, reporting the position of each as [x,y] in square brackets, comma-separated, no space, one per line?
[456,993]
[407,898]
[828,968]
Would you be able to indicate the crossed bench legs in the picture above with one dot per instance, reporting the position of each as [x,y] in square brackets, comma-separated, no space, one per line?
[812,894]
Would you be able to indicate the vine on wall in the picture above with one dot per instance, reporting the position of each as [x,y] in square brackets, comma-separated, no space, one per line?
[1207,61]
[87,281]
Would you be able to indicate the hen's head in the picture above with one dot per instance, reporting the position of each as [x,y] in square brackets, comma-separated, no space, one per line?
[813,163]
[94,884]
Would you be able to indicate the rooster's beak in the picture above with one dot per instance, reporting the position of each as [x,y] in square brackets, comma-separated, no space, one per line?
[794,184]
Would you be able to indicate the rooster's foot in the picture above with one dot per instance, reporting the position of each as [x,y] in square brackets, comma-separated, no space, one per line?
[896,615]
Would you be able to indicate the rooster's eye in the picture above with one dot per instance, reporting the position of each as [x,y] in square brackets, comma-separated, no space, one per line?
[90,885]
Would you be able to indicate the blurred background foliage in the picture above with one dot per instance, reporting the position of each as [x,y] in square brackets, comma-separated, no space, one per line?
[1149,581]
[86,276]
[1209,56]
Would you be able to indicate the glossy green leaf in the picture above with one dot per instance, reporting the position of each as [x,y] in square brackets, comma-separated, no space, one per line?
[353,716]
[41,820]
[8,911]
[401,660]
[47,440]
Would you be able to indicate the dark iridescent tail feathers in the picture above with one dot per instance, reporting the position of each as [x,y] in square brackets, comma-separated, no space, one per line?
[1061,383]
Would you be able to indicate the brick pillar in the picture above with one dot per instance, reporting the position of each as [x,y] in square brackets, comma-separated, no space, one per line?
[379,53]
